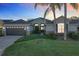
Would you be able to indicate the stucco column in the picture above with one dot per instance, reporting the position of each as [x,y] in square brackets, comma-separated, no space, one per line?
[28,30]
[55,27]
[25,31]
[4,31]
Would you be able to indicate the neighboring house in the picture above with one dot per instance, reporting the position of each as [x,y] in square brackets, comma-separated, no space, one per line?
[1,23]
[21,27]
[1,26]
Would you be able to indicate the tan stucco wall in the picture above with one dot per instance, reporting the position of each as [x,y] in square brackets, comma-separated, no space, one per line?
[72,27]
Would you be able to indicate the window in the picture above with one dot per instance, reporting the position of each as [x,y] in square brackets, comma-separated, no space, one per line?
[42,24]
[36,25]
[42,27]
[61,28]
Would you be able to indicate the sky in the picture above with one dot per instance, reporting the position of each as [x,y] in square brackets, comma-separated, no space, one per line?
[26,11]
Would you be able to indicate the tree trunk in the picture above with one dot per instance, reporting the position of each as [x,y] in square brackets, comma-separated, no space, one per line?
[53,10]
[65,21]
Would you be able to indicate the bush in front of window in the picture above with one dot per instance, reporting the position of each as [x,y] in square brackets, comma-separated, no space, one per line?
[73,35]
[51,36]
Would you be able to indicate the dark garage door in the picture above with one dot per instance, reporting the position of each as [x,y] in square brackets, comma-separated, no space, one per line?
[15,31]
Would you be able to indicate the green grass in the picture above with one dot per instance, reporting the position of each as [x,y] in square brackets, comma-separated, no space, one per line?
[43,47]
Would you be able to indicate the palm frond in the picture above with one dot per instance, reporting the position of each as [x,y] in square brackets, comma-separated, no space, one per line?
[56,5]
[46,11]
[74,5]
[35,5]
[53,10]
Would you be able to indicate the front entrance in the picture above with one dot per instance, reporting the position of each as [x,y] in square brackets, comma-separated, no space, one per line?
[36,29]
[60,28]
[39,28]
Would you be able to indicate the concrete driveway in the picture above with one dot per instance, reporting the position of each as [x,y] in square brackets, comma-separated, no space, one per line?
[6,41]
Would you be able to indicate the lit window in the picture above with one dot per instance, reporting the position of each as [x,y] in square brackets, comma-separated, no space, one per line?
[61,28]
[36,24]
[42,28]
[42,24]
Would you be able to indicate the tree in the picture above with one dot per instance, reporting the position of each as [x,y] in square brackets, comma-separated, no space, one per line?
[75,6]
[50,7]
[53,7]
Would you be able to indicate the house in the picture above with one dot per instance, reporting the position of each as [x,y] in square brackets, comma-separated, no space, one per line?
[39,25]
[1,23]
[15,27]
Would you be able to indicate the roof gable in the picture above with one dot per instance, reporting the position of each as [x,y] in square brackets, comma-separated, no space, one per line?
[40,20]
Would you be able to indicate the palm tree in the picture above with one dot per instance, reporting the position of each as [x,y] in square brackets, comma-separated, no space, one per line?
[53,7]
[65,15]
[50,6]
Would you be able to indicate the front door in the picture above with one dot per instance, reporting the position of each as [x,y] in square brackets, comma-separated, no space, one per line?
[36,28]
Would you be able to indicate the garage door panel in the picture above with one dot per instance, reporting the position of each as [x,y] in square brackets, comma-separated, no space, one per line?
[15,31]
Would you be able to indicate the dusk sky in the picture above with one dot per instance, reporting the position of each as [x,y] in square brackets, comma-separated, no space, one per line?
[26,11]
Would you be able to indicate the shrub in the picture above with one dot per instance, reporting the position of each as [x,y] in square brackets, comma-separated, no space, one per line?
[0,32]
[73,35]
[52,36]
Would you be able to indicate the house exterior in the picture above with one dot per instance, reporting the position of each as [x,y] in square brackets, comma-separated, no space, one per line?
[14,27]
[38,25]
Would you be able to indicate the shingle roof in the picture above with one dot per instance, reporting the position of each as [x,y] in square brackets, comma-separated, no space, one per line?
[71,21]
[40,18]
[14,22]
[7,21]
[74,21]
[20,22]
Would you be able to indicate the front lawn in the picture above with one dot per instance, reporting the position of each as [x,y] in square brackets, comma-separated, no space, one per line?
[42,47]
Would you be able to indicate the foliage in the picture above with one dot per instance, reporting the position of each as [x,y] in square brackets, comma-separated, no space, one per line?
[52,36]
[37,36]
[50,7]
[73,35]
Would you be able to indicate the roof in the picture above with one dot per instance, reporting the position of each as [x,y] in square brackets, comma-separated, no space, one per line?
[71,21]
[14,22]
[61,17]
[40,18]
[20,22]
[74,21]
[7,21]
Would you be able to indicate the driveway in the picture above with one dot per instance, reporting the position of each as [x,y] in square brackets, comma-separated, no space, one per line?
[6,41]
